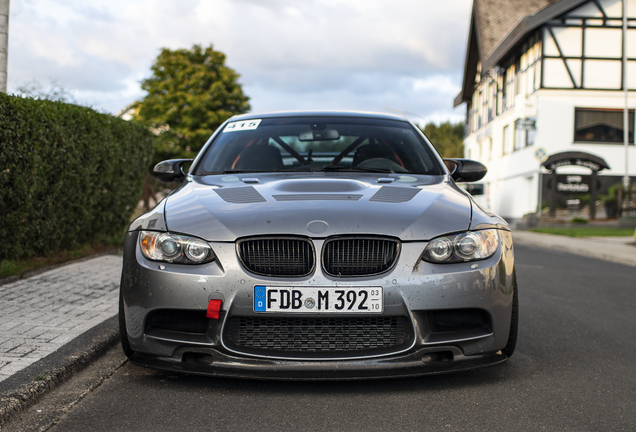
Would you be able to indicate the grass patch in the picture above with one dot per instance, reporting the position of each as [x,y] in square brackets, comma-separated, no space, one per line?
[22,266]
[586,231]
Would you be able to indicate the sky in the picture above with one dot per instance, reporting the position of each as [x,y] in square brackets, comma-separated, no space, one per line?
[403,56]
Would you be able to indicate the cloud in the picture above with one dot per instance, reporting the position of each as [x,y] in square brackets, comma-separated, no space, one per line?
[367,92]
[437,83]
[332,53]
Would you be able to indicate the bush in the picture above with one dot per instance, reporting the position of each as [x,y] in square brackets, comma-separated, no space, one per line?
[612,193]
[68,175]
[578,220]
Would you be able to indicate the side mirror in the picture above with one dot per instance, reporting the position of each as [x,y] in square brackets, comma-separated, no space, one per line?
[465,170]
[170,170]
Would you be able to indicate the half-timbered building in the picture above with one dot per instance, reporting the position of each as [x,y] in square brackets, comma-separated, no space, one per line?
[544,77]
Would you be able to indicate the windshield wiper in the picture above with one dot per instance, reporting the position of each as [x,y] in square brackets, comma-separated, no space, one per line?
[228,171]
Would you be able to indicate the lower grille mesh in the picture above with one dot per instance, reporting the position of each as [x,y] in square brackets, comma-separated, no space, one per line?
[318,335]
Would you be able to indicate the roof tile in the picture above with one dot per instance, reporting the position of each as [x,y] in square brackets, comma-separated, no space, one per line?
[495,18]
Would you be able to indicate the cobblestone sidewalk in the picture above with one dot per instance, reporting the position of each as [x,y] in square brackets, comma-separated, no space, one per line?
[40,314]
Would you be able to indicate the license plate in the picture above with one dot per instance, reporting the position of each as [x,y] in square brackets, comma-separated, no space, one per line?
[318,299]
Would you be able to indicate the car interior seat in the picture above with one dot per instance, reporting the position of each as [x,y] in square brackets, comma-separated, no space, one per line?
[260,157]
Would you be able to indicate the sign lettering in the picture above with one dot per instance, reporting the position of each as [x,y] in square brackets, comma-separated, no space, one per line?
[242,125]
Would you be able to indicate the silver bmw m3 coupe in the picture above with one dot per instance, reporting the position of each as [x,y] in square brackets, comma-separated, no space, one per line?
[318,245]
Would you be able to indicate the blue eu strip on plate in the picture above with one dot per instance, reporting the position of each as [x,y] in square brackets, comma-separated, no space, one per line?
[259,298]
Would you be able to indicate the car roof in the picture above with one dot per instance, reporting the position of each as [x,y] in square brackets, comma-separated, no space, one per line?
[318,113]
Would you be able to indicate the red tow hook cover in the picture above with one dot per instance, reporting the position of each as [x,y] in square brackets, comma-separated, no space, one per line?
[214,307]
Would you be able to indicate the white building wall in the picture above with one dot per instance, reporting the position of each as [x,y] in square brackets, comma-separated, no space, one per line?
[555,125]
[512,177]
[512,182]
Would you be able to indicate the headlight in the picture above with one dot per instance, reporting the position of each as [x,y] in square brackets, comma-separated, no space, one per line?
[175,248]
[468,246]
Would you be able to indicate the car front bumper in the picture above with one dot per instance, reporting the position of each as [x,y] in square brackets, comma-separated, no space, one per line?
[420,291]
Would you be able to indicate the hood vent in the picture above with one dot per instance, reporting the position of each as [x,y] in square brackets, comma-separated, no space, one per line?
[317,197]
[250,180]
[240,195]
[320,186]
[391,194]
[385,180]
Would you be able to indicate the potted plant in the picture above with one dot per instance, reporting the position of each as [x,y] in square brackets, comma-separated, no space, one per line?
[610,200]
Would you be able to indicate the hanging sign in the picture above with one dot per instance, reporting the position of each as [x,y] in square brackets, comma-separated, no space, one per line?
[526,124]
[573,184]
[541,155]
[580,159]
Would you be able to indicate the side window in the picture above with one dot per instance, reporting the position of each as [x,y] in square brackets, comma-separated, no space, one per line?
[507,140]
[601,125]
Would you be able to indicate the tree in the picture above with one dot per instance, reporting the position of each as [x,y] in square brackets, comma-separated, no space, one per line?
[448,138]
[190,93]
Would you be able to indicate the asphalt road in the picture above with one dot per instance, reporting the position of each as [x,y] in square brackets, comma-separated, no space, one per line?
[574,369]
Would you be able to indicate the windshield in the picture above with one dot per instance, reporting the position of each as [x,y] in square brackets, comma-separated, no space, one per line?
[319,144]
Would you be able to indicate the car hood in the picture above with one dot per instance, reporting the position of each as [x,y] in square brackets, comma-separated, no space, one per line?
[223,208]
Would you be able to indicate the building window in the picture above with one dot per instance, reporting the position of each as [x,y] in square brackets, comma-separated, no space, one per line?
[507,140]
[524,133]
[517,77]
[601,125]
[520,138]
[530,133]
[504,92]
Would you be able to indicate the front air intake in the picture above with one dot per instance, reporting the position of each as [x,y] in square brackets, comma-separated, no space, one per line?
[317,336]
[277,256]
[359,256]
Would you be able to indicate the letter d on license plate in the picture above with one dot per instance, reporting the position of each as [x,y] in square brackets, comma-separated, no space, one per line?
[318,299]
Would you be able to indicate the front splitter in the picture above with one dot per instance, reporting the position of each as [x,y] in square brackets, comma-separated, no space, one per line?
[425,361]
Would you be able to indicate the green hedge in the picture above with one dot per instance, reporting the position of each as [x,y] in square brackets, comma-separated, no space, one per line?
[68,175]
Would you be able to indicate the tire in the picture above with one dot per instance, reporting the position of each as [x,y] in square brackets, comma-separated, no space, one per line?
[123,333]
[514,321]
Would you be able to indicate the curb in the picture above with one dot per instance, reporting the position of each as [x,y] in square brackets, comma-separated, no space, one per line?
[23,389]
